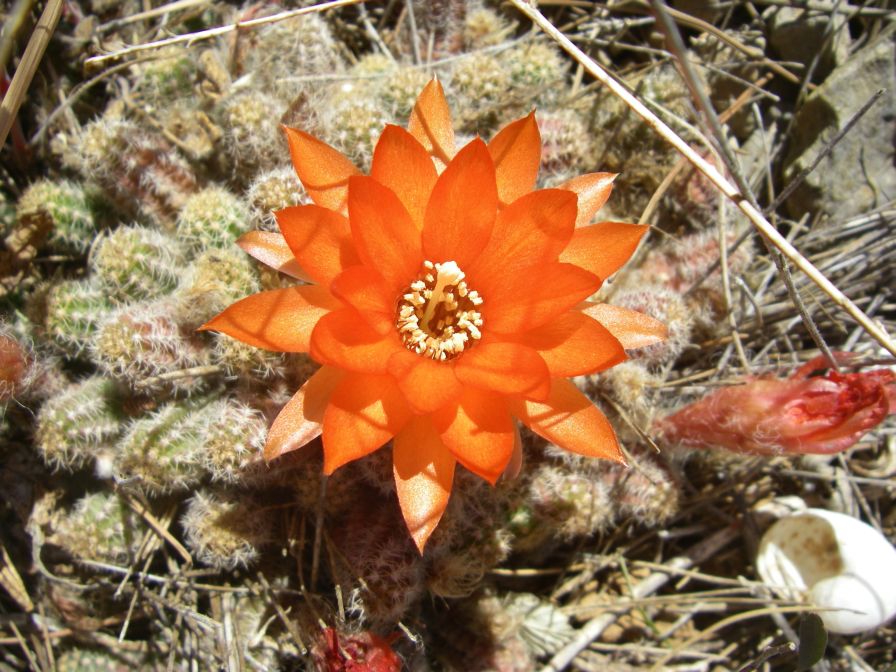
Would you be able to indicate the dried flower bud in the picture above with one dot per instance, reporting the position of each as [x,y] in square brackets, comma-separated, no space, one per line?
[799,414]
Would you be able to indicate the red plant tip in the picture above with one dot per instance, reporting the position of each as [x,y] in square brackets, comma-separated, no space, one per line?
[14,362]
[362,652]
[802,414]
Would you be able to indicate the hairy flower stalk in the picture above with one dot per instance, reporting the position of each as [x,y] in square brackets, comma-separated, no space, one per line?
[447,299]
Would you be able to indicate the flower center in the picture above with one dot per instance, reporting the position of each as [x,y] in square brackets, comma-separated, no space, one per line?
[438,314]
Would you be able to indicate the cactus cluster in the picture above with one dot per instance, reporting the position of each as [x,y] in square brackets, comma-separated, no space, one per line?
[136,404]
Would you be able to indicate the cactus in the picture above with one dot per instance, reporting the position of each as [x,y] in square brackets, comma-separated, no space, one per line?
[80,660]
[215,278]
[142,341]
[565,144]
[537,68]
[355,126]
[251,137]
[559,504]
[162,452]
[670,308]
[169,75]
[375,549]
[239,359]
[400,90]
[480,82]
[100,527]
[484,28]
[139,170]
[136,263]
[212,217]
[226,530]
[75,309]
[273,190]
[65,205]
[79,425]
[470,539]
[233,441]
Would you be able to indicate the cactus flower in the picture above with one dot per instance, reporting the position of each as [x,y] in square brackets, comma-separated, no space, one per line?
[800,414]
[446,299]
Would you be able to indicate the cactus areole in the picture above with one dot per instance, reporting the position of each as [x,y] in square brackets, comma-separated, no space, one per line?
[445,298]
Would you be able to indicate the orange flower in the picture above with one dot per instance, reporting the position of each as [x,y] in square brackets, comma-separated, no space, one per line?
[446,299]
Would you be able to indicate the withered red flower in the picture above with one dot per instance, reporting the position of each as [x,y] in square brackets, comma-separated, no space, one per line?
[800,414]
[447,299]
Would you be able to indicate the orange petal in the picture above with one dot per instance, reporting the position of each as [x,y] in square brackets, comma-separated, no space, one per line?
[461,211]
[533,229]
[593,191]
[279,319]
[430,122]
[271,249]
[516,152]
[299,422]
[631,328]
[425,383]
[573,344]
[568,419]
[402,164]
[323,170]
[479,432]
[320,240]
[384,234]
[345,338]
[424,472]
[364,412]
[603,248]
[365,290]
[532,296]
[506,368]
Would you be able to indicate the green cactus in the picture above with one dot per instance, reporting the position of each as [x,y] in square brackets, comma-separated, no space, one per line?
[75,309]
[479,82]
[136,263]
[80,424]
[162,452]
[215,278]
[212,217]
[66,206]
[226,530]
[100,527]
[142,341]
[274,190]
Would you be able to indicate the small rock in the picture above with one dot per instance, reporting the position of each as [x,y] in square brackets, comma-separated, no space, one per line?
[797,35]
[859,173]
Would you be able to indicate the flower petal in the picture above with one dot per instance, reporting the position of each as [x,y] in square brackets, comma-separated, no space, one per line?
[365,290]
[603,248]
[384,233]
[534,229]
[631,328]
[568,419]
[430,122]
[320,240]
[323,170]
[573,344]
[425,383]
[279,319]
[479,431]
[402,164]
[364,412]
[516,152]
[424,472]
[506,368]
[461,211]
[299,422]
[271,249]
[346,339]
[593,191]
[532,296]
